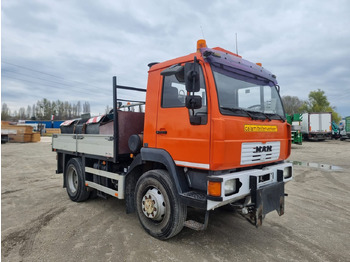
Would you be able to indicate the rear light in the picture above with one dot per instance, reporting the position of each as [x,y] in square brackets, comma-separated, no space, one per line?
[214,189]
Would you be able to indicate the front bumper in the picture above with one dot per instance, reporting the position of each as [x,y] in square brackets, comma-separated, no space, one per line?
[264,186]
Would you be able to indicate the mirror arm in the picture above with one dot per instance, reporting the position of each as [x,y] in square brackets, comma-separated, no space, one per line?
[195,70]
[278,88]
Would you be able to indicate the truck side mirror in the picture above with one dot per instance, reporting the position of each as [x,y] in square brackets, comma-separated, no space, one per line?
[176,70]
[192,76]
[193,102]
[172,70]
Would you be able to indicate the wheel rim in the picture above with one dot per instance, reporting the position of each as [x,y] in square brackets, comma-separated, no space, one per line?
[153,204]
[72,180]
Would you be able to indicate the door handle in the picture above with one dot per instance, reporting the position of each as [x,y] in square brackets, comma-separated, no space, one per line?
[78,137]
[162,132]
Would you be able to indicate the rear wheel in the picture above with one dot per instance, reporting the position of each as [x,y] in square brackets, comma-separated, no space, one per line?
[75,182]
[158,206]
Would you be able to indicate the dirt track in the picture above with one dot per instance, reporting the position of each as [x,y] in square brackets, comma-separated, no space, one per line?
[40,223]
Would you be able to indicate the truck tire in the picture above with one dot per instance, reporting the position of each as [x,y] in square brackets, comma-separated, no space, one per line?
[75,181]
[158,206]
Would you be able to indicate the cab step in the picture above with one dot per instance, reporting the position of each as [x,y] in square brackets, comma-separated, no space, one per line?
[197,225]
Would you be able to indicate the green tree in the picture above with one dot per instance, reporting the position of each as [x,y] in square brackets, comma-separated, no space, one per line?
[318,102]
[44,109]
[29,112]
[292,104]
[5,112]
[21,114]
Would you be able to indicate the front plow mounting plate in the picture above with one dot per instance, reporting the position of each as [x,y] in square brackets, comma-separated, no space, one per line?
[266,200]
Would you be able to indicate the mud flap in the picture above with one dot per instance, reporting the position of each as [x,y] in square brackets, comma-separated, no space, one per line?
[266,199]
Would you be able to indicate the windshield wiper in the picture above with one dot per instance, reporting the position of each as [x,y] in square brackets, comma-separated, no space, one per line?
[280,118]
[267,117]
[240,110]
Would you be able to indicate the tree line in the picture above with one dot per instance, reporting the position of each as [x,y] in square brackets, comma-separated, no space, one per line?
[44,109]
[318,102]
[63,110]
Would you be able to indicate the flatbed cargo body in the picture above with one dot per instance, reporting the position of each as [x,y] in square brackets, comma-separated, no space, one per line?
[88,144]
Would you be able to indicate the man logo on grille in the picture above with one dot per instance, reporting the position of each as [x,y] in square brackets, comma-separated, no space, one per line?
[261,149]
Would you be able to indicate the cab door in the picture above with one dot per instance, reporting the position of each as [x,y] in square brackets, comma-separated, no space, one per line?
[188,144]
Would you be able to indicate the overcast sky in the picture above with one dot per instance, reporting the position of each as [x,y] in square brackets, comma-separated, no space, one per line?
[69,50]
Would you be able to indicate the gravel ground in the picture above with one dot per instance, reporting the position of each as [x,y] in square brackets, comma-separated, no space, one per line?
[40,223]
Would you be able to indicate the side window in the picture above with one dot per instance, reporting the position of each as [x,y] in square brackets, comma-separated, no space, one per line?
[174,92]
[174,95]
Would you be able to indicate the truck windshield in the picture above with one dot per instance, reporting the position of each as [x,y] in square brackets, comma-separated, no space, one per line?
[241,95]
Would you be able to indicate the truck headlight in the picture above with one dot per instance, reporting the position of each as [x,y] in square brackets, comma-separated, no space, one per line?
[230,187]
[287,172]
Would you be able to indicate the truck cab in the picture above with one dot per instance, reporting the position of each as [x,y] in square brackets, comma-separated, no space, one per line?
[214,135]
[238,105]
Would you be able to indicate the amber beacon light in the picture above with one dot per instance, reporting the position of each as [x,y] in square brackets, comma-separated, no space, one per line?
[201,43]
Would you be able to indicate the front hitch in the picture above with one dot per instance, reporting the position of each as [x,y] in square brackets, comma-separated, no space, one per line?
[265,200]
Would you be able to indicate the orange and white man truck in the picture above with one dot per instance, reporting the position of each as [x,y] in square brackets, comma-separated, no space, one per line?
[213,133]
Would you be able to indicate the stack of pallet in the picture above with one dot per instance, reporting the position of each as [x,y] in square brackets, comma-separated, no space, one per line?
[19,134]
[51,131]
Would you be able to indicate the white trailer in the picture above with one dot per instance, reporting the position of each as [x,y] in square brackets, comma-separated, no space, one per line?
[317,126]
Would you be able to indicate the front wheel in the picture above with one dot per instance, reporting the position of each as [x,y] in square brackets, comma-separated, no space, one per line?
[75,182]
[158,206]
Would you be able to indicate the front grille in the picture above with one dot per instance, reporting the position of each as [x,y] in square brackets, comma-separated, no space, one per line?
[253,153]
